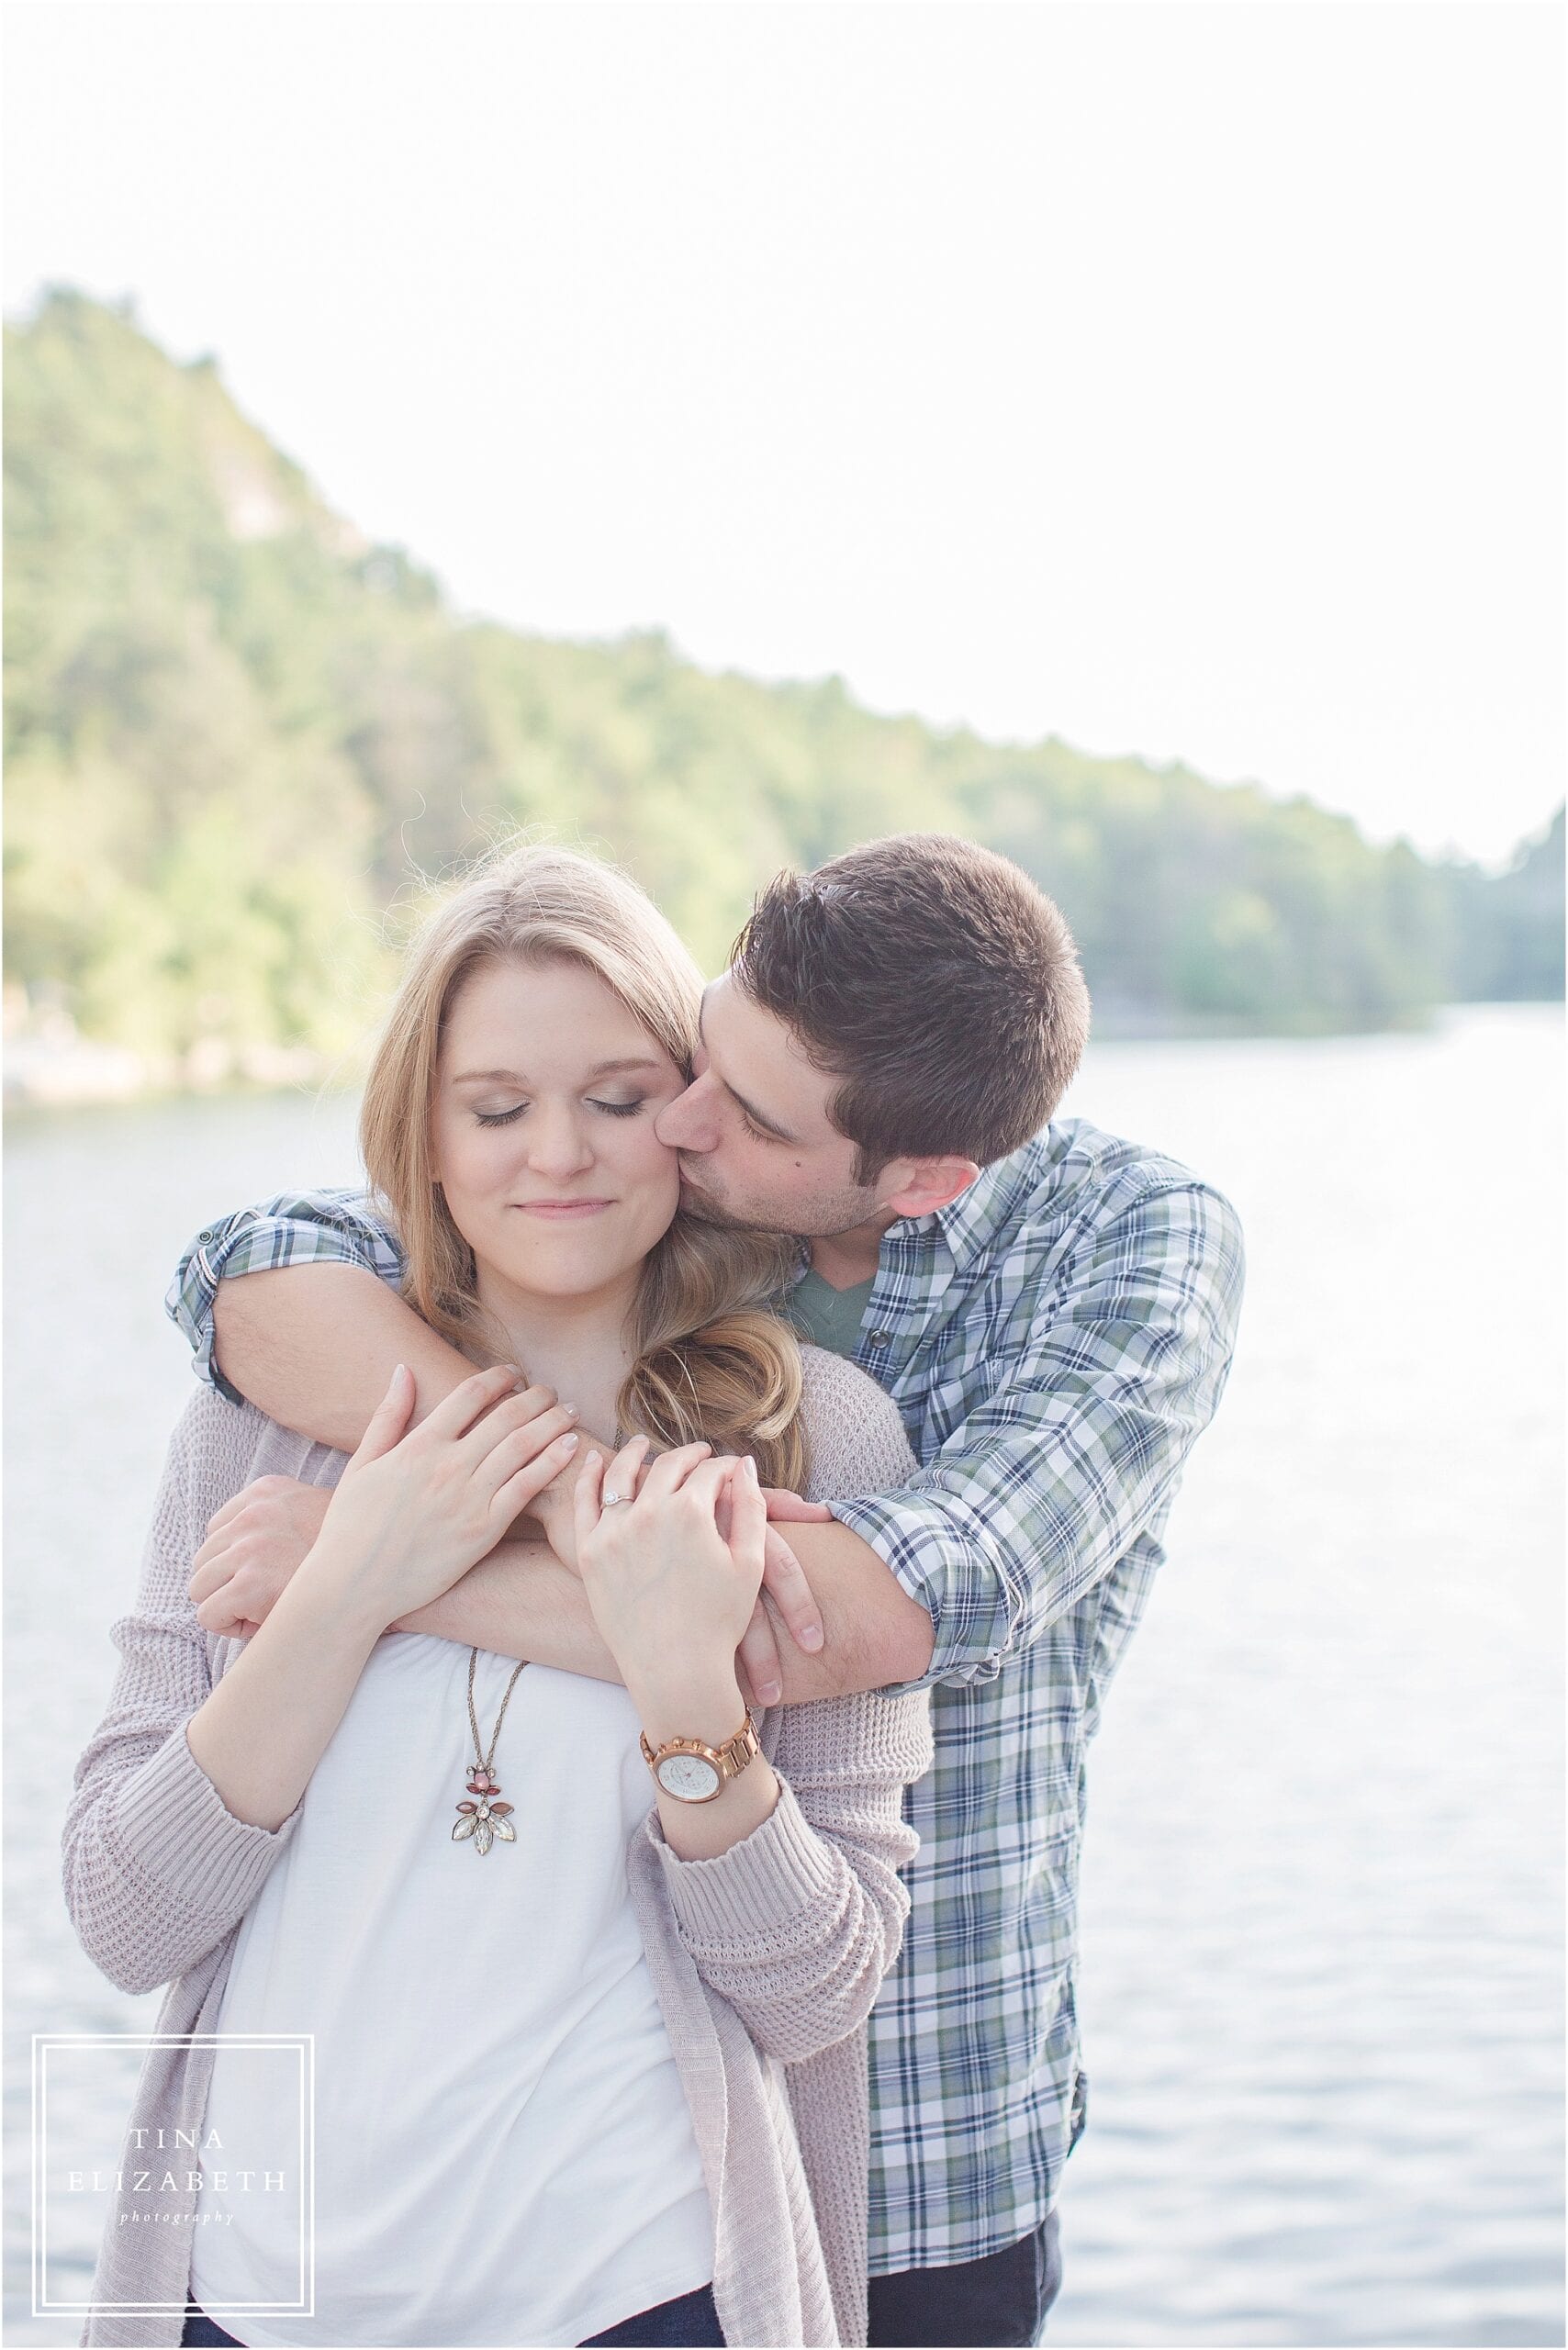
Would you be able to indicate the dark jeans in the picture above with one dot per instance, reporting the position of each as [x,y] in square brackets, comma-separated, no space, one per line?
[691,2321]
[998,2300]
[994,2303]
[691,2318]
[201,2330]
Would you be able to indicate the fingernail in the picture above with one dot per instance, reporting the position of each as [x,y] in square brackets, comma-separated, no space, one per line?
[751,1468]
[812,1636]
[769,1692]
[571,1411]
[591,1461]
[569,1443]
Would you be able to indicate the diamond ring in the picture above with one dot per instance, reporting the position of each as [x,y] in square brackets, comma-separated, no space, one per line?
[610,1500]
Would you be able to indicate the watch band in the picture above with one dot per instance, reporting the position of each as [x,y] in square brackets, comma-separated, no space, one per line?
[728,1759]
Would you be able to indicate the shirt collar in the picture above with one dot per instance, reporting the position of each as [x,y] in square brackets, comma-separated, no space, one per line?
[966,1224]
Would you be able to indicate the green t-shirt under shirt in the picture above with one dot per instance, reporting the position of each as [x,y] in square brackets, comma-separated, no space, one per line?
[830,1318]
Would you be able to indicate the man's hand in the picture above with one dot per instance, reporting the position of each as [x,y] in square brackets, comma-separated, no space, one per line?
[762,1677]
[254,1545]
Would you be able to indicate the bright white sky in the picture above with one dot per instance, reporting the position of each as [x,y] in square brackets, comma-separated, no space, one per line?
[1180,379]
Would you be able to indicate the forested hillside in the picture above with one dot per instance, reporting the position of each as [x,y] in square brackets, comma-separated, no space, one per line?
[237,733]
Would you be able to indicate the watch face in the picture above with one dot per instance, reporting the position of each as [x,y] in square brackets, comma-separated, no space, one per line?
[688,1777]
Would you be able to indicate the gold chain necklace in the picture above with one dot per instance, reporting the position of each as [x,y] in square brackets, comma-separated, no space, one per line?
[486,1819]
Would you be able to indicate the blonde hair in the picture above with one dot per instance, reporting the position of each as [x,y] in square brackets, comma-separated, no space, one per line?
[711,1362]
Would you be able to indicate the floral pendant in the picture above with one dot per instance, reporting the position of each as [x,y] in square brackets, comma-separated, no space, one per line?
[486,1820]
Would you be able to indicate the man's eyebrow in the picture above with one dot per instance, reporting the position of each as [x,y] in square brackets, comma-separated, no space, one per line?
[515,1077]
[754,1114]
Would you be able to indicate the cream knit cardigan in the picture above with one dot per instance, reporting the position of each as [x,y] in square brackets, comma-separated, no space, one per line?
[765,1961]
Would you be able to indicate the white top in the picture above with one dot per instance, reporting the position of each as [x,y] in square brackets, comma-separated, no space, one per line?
[503,2150]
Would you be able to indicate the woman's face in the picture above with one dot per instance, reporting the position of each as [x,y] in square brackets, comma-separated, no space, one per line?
[543,1129]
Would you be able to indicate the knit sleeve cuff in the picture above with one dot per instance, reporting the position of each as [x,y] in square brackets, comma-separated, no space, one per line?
[761,1882]
[173,1824]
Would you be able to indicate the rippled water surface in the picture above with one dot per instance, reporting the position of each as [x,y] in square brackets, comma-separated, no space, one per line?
[1322,1909]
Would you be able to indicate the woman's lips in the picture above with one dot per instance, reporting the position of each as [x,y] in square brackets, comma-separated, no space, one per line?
[564,1211]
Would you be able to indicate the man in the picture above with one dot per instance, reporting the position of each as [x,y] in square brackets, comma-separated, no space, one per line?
[1054,1313]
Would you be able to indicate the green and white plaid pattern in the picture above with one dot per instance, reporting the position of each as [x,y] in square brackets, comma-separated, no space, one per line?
[1055,1339]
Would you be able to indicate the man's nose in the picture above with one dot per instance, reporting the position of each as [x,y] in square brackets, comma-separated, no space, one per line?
[688,1122]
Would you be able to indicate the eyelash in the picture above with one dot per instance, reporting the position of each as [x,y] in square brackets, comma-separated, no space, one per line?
[506,1117]
[756,1132]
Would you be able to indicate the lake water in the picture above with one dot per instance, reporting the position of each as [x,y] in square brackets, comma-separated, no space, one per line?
[1322,1925]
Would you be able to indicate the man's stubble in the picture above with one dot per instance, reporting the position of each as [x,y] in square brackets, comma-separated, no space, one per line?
[827,1216]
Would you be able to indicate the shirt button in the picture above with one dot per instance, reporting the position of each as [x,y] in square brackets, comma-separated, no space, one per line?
[877,1337]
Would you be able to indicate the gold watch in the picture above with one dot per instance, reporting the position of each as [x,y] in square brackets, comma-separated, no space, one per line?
[692,1771]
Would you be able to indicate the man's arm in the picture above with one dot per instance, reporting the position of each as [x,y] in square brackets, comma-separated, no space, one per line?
[874,1634]
[313,1346]
[522,1601]
[296,1228]
[1119,1365]
[1107,1376]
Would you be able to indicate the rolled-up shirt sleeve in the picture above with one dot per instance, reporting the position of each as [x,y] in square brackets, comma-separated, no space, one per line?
[1079,1444]
[295,1228]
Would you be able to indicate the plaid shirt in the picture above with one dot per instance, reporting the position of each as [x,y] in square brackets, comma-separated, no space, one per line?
[1055,1339]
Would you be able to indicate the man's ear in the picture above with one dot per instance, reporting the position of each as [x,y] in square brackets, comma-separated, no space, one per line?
[924,1184]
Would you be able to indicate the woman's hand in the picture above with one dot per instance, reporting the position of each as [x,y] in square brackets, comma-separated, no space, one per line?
[415,1509]
[672,1571]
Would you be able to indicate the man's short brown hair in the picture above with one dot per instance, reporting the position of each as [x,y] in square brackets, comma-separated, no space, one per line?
[937,980]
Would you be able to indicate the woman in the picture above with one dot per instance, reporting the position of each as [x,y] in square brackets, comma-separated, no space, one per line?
[583,2071]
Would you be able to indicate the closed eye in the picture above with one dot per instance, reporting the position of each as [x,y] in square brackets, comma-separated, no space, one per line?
[611,1109]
